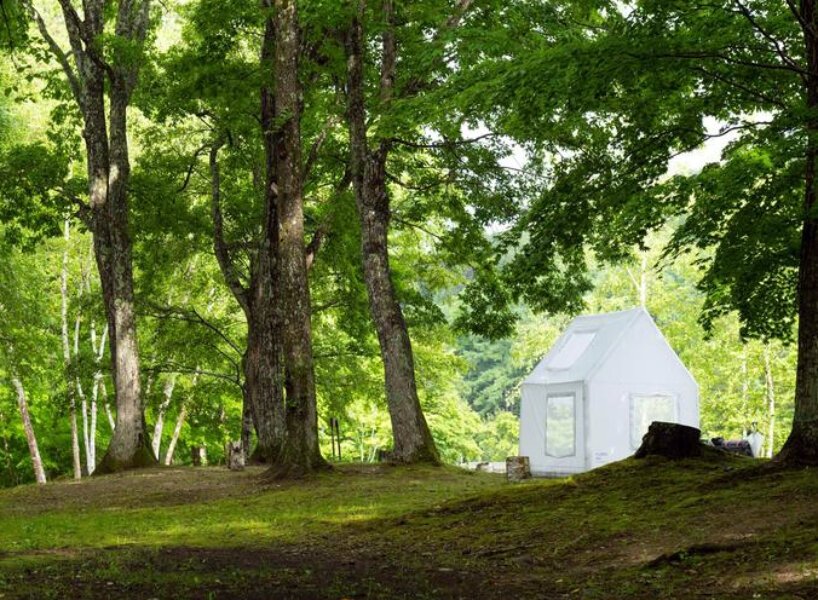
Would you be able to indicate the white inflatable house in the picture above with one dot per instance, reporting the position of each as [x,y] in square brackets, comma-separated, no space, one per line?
[593,396]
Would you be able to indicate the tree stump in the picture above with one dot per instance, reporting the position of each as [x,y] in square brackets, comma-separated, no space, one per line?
[671,440]
[198,456]
[235,456]
[518,468]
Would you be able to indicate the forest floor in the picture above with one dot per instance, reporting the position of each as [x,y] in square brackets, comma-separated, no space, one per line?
[709,528]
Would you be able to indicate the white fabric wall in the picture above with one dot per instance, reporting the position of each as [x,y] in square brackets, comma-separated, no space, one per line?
[642,363]
[532,429]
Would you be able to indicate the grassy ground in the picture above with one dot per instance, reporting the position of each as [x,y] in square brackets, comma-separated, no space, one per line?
[714,528]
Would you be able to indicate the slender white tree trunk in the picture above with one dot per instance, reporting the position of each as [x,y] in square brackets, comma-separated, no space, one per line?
[643,281]
[28,428]
[167,394]
[770,388]
[66,348]
[86,440]
[99,352]
[104,391]
[180,420]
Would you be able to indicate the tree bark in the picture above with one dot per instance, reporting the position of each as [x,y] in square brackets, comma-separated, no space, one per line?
[104,390]
[412,438]
[180,421]
[98,352]
[263,388]
[801,446]
[28,428]
[301,454]
[66,348]
[246,424]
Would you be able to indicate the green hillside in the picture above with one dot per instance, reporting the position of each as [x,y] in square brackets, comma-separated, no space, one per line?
[709,528]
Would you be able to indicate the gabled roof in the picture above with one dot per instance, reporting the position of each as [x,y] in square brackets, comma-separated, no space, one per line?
[584,345]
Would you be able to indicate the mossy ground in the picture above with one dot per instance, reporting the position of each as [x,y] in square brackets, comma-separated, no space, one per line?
[715,527]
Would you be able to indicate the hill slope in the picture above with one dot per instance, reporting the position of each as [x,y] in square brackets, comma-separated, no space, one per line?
[716,528]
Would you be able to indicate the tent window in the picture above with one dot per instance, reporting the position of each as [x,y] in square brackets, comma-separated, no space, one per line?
[571,350]
[645,409]
[560,424]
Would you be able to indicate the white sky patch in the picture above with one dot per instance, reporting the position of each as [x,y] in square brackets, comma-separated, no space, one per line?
[709,152]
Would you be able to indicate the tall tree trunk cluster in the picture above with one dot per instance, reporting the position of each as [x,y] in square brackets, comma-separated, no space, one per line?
[71,354]
[278,362]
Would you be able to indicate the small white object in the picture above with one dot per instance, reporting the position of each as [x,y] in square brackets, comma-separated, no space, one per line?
[756,440]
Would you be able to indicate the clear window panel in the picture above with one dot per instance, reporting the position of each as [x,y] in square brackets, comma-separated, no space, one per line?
[560,426]
[645,409]
[574,347]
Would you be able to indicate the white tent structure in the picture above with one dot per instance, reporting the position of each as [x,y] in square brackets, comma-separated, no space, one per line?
[593,396]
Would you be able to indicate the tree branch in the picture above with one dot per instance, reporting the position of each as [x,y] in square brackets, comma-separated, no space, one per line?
[312,157]
[192,166]
[59,54]
[776,44]
[444,143]
[798,16]
[219,245]
[174,367]
[728,59]
[323,229]
[460,11]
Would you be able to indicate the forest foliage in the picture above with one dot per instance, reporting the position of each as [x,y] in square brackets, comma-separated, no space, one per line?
[524,153]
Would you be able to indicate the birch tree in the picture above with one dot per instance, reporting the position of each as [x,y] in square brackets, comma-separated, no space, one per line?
[66,347]
[28,428]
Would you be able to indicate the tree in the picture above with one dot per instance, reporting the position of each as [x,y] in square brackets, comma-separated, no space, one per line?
[301,453]
[390,119]
[604,150]
[101,72]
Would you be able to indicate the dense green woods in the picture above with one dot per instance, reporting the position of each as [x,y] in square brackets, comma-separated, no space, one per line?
[241,220]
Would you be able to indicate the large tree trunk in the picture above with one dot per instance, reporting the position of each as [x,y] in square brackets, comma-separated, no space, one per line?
[28,428]
[90,79]
[301,454]
[262,375]
[801,446]
[129,446]
[263,390]
[246,424]
[66,349]
[413,440]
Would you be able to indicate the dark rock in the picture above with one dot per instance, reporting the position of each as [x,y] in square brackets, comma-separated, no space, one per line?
[671,440]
